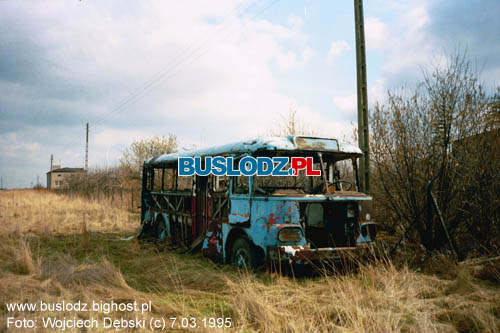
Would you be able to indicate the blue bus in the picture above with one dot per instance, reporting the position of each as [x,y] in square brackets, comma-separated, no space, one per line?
[252,220]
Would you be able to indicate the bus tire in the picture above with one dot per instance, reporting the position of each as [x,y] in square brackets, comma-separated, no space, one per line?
[243,254]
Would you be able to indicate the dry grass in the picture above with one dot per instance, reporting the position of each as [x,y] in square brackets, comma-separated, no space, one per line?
[45,213]
[53,248]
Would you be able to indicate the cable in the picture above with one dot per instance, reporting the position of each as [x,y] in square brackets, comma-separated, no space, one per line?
[190,55]
[138,93]
[158,77]
[190,58]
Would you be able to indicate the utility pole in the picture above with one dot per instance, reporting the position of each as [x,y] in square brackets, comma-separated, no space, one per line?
[49,175]
[363,135]
[87,149]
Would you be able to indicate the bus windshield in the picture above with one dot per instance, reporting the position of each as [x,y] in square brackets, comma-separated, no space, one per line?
[340,173]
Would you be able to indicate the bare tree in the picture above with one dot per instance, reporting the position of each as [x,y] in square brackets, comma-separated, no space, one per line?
[140,150]
[424,136]
[291,124]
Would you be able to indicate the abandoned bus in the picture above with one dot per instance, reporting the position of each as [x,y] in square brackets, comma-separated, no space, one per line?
[250,220]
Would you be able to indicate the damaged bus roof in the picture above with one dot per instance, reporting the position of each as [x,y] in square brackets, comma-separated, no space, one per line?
[289,143]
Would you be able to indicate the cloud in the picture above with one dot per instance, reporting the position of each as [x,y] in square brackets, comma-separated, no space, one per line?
[377,34]
[346,104]
[412,48]
[336,49]
[471,26]
[426,32]
[286,60]
[204,66]
[12,146]
[68,62]
[295,22]
[116,137]
[307,54]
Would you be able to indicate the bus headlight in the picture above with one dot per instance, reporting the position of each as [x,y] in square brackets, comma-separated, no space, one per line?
[290,235]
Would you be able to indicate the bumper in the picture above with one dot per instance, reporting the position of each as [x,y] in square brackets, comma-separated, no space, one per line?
[304,254]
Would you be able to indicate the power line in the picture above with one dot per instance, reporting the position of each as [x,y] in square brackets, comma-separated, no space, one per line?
[187,50]
[164,74]
[142,90]
[187,56]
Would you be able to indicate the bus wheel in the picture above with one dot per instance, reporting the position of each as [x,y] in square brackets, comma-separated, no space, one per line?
[243,255]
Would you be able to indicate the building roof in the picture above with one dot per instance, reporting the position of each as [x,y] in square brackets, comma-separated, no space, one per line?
[289,143]
[69,170]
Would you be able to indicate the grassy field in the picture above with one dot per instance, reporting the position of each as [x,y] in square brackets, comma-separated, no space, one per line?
[54,249]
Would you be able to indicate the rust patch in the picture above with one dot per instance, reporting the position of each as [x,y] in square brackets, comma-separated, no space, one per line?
[272,221]
[242,215]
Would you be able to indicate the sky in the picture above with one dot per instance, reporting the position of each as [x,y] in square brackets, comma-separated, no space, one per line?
[209,72]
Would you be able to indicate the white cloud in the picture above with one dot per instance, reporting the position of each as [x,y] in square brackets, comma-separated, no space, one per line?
[377,34]
[410,44]
[295,22]
[307,54]
[13,147]
[286,60]
[346,104]
[336,49]
[116,137]
[377,93]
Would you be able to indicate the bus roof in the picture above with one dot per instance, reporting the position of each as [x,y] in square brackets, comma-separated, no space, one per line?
[288,143]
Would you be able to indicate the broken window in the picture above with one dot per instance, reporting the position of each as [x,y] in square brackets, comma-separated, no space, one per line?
[220,183]
[241,185]
[185,183]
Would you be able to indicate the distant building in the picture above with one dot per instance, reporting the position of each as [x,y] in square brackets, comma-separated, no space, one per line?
[57,177]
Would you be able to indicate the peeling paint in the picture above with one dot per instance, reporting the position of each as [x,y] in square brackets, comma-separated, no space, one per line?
[291,250]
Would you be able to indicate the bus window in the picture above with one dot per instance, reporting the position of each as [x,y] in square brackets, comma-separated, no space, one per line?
[278,185]
[157,179]
[185,183]
[240,185]
[220,184]
[149,180]
[169,180]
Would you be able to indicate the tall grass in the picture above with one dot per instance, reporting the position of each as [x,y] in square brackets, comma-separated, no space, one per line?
[42,212]
[54,248]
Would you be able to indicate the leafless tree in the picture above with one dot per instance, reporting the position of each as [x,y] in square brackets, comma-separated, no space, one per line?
[291,124]
[442,133]
[140,150]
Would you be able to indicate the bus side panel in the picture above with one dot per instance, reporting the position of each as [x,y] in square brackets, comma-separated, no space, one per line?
[265,220]
[240,210]
[239,218]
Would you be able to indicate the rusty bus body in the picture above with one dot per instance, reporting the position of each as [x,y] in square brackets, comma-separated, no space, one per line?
[247,221]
